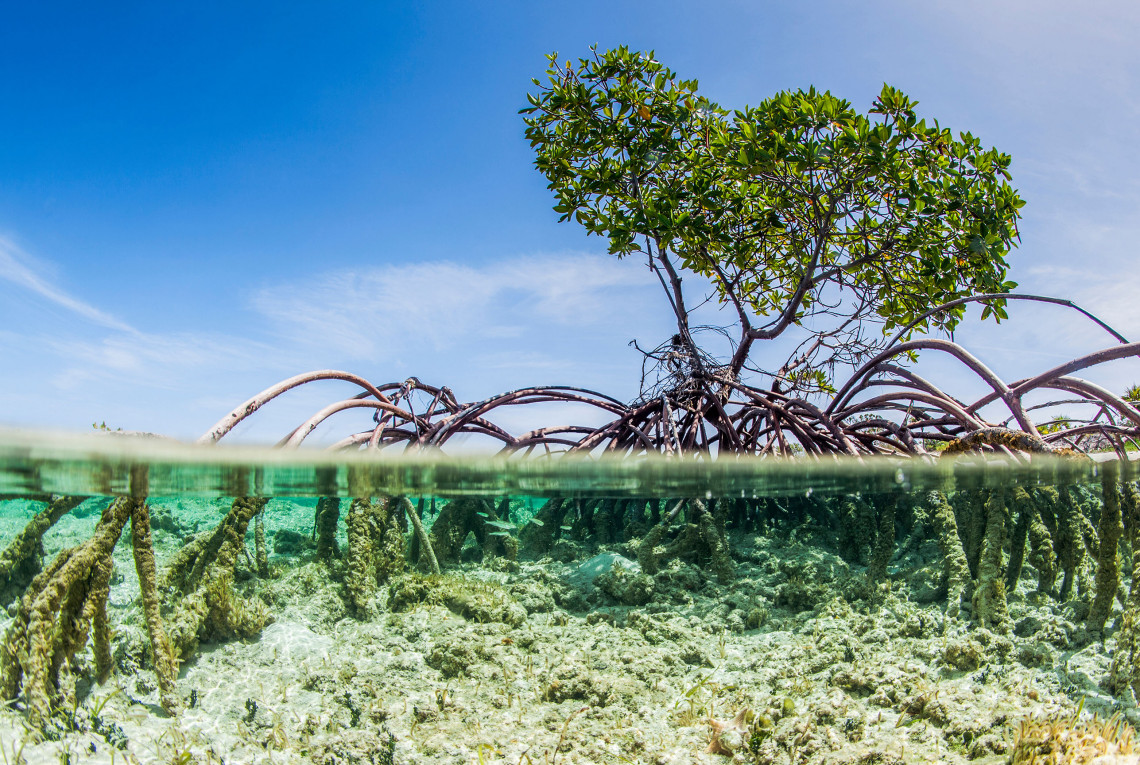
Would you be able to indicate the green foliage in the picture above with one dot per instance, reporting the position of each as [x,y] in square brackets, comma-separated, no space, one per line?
[1059,422]
[1132,394]
[783,206]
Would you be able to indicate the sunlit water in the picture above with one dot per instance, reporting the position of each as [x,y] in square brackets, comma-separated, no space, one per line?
[806,599]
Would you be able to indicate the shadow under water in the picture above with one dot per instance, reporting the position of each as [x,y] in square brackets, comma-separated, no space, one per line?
[174,604]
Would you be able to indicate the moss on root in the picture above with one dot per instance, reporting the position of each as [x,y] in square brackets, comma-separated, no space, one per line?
[327,516]
[20,560]
[990,608]
[55,616]
[162,652]
[1108,558]
[375,548]
[956,572]
[199,583]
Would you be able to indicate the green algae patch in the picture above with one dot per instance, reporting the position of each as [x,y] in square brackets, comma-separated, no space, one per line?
[475,600]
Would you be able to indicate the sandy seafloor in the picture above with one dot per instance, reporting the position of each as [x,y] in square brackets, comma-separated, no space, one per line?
[554,670]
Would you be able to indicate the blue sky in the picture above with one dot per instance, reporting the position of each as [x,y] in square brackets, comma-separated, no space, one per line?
[198,201]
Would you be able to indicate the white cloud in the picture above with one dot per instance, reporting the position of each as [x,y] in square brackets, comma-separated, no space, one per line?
[18,267]
[548,319]
[379,313]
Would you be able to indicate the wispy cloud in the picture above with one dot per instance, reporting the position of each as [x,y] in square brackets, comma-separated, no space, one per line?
[18,267]
[477,328]
[384,312]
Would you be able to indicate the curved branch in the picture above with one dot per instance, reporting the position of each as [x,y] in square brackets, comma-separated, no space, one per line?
[308,426]
[227,423]
[1001,390]
[1002,296]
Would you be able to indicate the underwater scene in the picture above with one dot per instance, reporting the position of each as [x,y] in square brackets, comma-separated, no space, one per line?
[172,604]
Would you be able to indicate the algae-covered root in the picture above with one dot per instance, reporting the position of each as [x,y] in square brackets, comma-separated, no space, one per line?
[884,546]
[1041,554]
[462,516]
[19,562]
[1108,558]
[715,541]
[421,535]
[538,538]
[1126,659]
[56,613]
[328,513]
[200,583]
[165,662]
[647,556]
[956,572]
[376,546]
[990,607]
[261,555]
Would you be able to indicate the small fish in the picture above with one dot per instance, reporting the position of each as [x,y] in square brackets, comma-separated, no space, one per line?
[500,524]
[566,528]
[483,514]
[500,533]
[537,522]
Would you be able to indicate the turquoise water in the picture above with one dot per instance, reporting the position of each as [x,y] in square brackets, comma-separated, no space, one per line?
[651,610]
[37,464]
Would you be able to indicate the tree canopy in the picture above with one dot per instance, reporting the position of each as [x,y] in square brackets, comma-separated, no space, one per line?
[801,212]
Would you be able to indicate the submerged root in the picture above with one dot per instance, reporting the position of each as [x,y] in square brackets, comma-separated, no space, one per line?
[469,515]
[20,560]
[328,513]
[956,572]
[1125,675]
[856,529]
[713,538]
[883,549]
[1025,512]
[261,555]
[647,556]
[200,584]
[1069,537]
[537,539]
[421,537]
[1108,558]
[990,607]
[1041,555]
[55,615]
[165,662]
[375,548]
